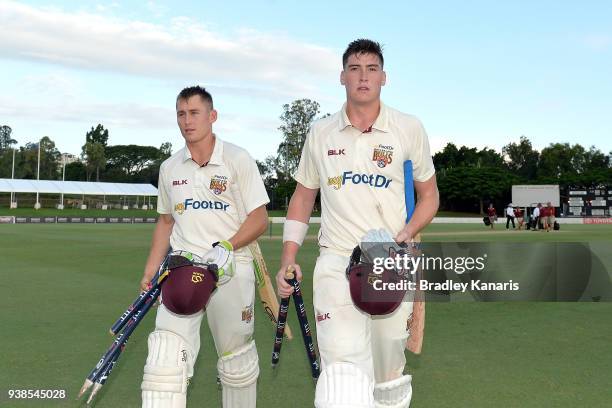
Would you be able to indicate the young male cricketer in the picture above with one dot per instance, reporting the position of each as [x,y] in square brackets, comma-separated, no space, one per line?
[198,209]
[355,158]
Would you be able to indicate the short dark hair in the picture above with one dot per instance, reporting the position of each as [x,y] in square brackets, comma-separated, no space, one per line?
[196,90]
[363,46]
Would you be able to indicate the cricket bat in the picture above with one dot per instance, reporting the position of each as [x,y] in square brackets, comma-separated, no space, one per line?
[267,296]
[416,321]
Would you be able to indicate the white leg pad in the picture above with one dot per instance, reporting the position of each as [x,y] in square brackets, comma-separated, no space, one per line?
[238,373]
[164,384]
[394,394]
[344,385]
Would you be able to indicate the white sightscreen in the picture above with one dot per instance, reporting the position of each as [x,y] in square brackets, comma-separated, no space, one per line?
[530,195]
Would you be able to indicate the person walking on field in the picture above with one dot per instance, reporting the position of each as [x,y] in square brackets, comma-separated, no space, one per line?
[491,213]
[510,216]
[199,214]
[355,158]
[550,220]
[518,213]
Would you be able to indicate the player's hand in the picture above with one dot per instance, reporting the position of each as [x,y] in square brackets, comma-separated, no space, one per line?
[145,282]
[222,255]
[406,235]
[284,289]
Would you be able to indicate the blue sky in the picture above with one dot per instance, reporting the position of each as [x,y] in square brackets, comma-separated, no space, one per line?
[476,73]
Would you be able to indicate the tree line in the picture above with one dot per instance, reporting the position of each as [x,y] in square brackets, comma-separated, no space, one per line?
[468,178]
[98,161]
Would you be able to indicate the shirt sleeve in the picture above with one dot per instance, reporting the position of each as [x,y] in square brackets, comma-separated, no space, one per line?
[250,183]
[164,204]
[422,162]
[307,173]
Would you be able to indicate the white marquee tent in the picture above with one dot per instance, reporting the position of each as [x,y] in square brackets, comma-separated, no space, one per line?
[76,187]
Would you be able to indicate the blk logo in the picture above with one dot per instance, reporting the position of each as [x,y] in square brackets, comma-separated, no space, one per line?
[179,182]
[334,152]
[322,316]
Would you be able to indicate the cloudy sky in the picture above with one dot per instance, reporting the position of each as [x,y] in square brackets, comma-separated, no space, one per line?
[475,73]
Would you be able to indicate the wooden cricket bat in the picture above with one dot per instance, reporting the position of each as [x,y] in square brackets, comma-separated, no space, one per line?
[416,321]
[267,296]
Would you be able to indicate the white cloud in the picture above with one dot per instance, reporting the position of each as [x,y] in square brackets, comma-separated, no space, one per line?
[184,48]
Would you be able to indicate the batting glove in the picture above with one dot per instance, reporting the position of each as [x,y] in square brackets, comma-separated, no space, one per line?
[222,255]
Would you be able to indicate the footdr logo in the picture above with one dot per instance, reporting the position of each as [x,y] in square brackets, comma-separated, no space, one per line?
[372,180]
[180,208]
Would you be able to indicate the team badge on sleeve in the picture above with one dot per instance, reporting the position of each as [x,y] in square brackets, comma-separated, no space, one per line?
[218,184]
[382,155]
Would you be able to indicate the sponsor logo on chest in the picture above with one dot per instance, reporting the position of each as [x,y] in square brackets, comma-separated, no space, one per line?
[336,152]
[178,182]
[218,184]
[382,155]
[372,180]
[191,204]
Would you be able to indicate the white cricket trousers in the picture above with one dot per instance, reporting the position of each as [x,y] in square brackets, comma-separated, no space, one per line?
[345,334]
[230,314]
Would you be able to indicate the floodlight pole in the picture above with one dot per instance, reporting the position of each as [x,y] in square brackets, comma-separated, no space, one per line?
[38,172]
[63,178]
[13,176]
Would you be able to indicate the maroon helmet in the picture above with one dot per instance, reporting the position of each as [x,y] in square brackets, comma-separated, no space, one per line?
[367,291]
[188,288]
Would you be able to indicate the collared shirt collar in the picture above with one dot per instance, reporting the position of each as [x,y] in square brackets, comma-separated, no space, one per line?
[381,123]
[217,155]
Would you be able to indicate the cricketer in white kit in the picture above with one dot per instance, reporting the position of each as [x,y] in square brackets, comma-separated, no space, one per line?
[197,208]
[355,159]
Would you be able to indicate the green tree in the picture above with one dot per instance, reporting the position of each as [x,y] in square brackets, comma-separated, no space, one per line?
[94,158]
[523,159]
[93,151]
[76,171]
[296,120]
[560,161]
[26,165]
[97,135]
[461,187]
[6,142]
[131,159]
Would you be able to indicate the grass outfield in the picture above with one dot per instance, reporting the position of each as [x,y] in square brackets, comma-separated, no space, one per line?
[62,286]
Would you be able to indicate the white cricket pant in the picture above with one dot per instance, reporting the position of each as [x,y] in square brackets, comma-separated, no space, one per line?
[230,314]
[345,334]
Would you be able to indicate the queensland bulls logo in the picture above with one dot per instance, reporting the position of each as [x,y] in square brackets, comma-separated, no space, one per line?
[218,184]
[382,155]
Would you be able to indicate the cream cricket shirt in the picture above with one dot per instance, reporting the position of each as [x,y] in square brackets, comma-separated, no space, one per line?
[201,199]
[360,175]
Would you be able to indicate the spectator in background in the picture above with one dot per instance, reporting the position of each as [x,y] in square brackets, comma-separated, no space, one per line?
[550,211]
[544,217]
[491,214]
[518,213]
[510,216]
[536,217]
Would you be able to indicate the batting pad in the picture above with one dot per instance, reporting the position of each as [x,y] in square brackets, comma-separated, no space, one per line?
[164,384]
[238,373]
[344,385]
[394,394]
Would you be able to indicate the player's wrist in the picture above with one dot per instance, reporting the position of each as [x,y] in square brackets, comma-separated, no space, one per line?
[294,231]
[224,244]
